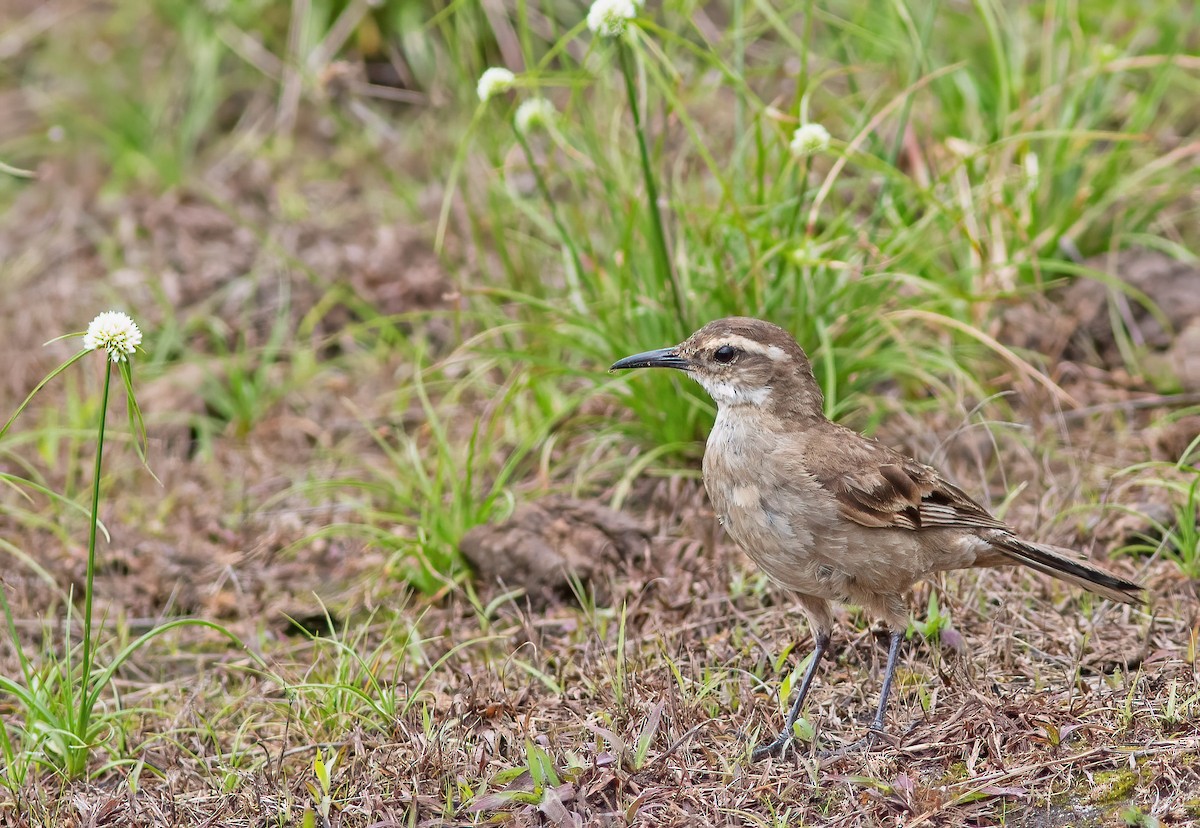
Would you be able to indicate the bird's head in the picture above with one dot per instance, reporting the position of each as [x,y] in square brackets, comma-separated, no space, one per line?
[741,362]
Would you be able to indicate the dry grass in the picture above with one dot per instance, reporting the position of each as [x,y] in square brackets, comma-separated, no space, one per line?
[635,702]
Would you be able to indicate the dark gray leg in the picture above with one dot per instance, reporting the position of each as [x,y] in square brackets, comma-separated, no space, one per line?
[782,740]
[877,729]
[893,659]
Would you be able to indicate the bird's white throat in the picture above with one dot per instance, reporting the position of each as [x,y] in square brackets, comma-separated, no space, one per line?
[726,393]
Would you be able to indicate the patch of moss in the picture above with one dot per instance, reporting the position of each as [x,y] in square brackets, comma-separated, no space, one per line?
[1113,786]
[957,772]
[1192,807]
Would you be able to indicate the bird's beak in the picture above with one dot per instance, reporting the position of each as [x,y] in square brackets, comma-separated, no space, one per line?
[662,358]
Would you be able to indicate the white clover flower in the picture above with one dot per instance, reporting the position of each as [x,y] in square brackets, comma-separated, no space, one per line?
[493,81]
[608,18]
[809,139]
[533,114]
[115,332]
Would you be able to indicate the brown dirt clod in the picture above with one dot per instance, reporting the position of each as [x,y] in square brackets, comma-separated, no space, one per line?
[544,543]
[1160,313]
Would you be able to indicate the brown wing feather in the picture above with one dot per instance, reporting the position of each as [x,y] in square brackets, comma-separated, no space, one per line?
[881,488]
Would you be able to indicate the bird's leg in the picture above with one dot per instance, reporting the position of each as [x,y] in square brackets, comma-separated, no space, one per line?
[893,659]
[877,730]
[782,740]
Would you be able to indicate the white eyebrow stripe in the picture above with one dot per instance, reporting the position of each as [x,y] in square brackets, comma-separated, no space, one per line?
[750,346]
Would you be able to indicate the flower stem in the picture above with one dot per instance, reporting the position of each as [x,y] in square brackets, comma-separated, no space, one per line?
[790,228]
[85,698]
[564,234]
[662,259]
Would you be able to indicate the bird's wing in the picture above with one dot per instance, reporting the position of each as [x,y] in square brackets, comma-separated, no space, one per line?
[878,487]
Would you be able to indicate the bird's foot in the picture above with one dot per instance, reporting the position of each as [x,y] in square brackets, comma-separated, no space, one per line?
[872,737]
[774,748]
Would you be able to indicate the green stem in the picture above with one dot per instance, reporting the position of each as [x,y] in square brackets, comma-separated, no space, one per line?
[739,101]
[789,229]
[573,280]
[658,246]
[85,706]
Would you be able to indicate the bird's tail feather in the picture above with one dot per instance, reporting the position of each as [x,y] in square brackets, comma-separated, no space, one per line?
[1063,564]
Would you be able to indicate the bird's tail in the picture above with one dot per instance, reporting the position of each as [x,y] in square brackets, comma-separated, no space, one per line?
[1065,564]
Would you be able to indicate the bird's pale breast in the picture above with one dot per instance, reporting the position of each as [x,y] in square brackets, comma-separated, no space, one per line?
[781,516]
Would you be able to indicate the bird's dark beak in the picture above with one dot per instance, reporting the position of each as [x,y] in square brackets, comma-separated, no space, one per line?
[662,358]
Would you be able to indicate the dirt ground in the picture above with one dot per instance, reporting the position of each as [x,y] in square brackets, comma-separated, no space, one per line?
[646,680]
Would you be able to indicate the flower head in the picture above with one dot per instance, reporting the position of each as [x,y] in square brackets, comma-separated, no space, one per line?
[1032,169]
[534,113]
[809,139]
[608,18]
[493,81]
[115,332]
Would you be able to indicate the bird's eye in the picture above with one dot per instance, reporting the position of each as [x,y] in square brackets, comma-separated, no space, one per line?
[725,353]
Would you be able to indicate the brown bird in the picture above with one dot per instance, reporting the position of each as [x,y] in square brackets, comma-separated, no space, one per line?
[827,512]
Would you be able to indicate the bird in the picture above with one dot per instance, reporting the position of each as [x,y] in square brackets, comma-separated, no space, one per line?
[829,514]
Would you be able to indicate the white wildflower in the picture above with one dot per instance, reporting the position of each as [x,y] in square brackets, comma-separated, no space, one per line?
[608,18]
[1032,169]
[493,81]
[534,114]
[115,332]
[809,139]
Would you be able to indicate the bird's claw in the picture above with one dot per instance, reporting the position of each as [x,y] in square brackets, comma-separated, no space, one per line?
[779,746]
[774,748]
[873,736]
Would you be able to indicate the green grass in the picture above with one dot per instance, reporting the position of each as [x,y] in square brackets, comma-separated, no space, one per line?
[1178,539]
[953,185]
